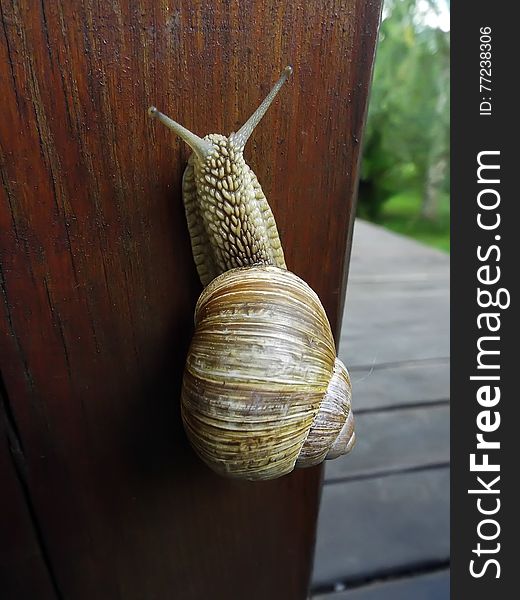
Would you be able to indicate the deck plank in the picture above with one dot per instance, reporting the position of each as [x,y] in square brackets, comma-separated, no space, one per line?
[403,384]
[376,525]
[395,440]
[385,507]
[397,304]
[392,322]
[379,254]
[432,586]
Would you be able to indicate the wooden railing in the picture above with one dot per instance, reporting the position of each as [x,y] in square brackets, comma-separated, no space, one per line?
[101,495]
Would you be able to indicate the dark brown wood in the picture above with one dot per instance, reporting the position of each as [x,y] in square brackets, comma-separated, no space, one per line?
[23,570]
[98,284]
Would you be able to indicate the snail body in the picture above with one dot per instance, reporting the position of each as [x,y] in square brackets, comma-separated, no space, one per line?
[263,391]
[229,219]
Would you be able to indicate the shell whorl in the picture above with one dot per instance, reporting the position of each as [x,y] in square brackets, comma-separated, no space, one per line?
[332,432]
[261,365]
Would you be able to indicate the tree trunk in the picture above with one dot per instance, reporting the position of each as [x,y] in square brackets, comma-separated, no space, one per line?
[438,159]
[432,188]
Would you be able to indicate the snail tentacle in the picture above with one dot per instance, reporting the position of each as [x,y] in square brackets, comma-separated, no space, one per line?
[244,133]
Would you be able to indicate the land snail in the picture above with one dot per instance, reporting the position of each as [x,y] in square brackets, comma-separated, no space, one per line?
[263,391]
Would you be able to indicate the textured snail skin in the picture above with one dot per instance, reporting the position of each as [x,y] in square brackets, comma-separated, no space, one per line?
[229,219]
[262,391]
[258,370]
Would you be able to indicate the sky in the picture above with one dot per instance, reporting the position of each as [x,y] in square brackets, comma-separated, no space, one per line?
[438,18]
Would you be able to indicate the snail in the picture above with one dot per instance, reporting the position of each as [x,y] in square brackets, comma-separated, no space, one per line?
[263,391]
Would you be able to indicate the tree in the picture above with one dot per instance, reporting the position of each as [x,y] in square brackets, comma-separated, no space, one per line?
[407,137]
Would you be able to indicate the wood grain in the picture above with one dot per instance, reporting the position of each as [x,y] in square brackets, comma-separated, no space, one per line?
[24,572]
[98,284]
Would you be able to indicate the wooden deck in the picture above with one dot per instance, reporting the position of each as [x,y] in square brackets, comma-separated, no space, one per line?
[383,531]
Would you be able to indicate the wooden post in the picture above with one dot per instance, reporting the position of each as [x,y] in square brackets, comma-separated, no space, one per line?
[101,496]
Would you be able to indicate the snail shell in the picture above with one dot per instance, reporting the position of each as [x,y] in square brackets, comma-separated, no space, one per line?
[263,391]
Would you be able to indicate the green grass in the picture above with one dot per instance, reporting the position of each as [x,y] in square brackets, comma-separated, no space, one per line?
[400,213]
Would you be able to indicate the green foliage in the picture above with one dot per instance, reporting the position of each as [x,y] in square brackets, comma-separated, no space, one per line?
[406,147]
[400,214]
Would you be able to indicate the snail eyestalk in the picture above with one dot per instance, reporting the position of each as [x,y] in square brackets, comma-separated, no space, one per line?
[200,146]
[246,130]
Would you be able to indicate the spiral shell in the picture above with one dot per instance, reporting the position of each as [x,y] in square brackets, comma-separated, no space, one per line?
[263,391]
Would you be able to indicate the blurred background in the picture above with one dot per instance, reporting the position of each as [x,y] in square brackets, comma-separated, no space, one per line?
[383,530]
[405,170]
